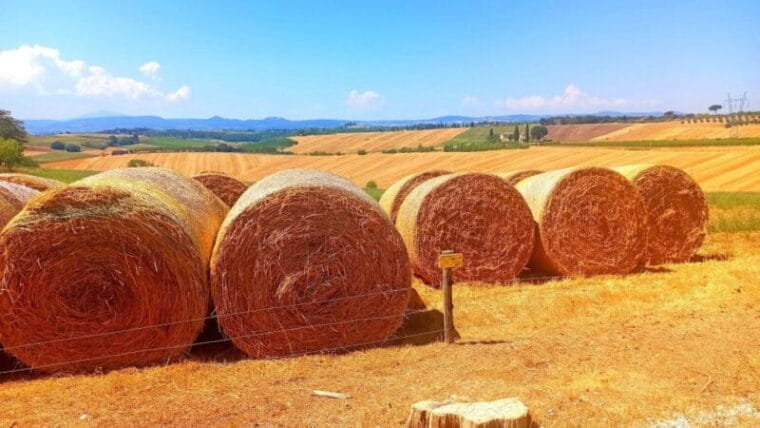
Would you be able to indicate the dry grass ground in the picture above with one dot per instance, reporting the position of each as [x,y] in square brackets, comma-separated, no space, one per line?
[373,141]
[716,170]
[605,351]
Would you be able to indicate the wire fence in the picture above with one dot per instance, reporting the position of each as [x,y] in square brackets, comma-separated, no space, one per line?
[527,281]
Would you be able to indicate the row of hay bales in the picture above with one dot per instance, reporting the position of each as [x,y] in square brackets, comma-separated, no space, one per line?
[125,267]
[574,221]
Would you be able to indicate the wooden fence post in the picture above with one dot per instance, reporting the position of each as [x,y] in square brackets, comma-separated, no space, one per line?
[447,261]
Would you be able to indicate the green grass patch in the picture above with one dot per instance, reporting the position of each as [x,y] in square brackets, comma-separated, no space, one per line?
[56,156]
[271,145]
[374,192]
[65,175]
[480,139]
[172,143]
[734,211]
[672,143]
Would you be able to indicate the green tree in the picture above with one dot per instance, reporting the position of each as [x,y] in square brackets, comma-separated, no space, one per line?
[714,108]
[490,135]
[527,133]
[538,132]
[136,163]
[516,134]
[12,129]
[11,154]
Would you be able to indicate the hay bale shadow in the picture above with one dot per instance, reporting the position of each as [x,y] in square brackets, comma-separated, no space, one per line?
[214,346]
[701,258]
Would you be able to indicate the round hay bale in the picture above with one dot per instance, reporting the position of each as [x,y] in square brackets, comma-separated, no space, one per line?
[676,210]
[13,197]
[110,271]
[308,262]
[395,195]
[514,177]
[31,181]
[479,215]
[590,221]
[228,189]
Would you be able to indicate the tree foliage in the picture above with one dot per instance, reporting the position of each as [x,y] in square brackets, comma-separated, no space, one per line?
[137,163]
[12,154]
[538,132]
[12,129]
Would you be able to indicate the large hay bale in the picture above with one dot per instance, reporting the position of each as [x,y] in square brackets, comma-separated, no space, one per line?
[394,196]
[31,181]
[108,272]
[676,210]
[479,215]
[13,197]
[228,189]
[516,176]
[308,262]
[590,221]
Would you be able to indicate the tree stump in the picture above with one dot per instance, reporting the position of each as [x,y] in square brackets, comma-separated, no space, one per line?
[506,413]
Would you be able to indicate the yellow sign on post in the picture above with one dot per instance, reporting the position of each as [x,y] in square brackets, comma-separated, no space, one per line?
[450,260]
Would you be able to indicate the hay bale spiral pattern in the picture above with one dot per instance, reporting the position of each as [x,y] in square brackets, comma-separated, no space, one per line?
[107,271]
[590,221]
[479,215]
[228,189]
[306,261]
[394,196]
[676,208]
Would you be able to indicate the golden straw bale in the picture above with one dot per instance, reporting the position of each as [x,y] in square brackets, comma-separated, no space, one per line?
[306,262]
[676,210]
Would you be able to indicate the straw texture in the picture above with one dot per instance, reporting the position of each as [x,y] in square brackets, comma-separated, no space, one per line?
[395,195]
[319,250]
[590,221]
[479,215]
[13,197]
[514,177]
[31,181]
[228,189]
[85,268]
[676,208]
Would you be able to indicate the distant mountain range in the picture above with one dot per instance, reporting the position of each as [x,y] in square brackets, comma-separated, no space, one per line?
[96,122]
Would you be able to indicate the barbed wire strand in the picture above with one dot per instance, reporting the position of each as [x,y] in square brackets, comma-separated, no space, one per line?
[230,339]
[519,281]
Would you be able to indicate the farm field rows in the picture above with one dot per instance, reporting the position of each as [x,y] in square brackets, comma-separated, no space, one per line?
[715,170]
[676,341]
[654,131]
[372,141]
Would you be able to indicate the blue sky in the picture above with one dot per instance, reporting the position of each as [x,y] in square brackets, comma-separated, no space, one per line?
[385,60]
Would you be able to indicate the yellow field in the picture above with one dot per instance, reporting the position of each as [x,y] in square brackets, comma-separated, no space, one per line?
[678,131]
[655,131]
[604,351]
[721,169]
[373,141]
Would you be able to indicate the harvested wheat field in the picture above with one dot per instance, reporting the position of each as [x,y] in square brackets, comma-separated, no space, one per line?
[373,141]
[671,343]
[650,131]
[724,170]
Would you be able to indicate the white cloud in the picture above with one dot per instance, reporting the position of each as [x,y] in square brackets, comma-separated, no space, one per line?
[182,93]
[150,69]
[470,101]
[364,100]
[572,98]
[41,69]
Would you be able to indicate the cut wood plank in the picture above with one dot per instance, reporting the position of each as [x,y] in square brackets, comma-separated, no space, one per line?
[328,394]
